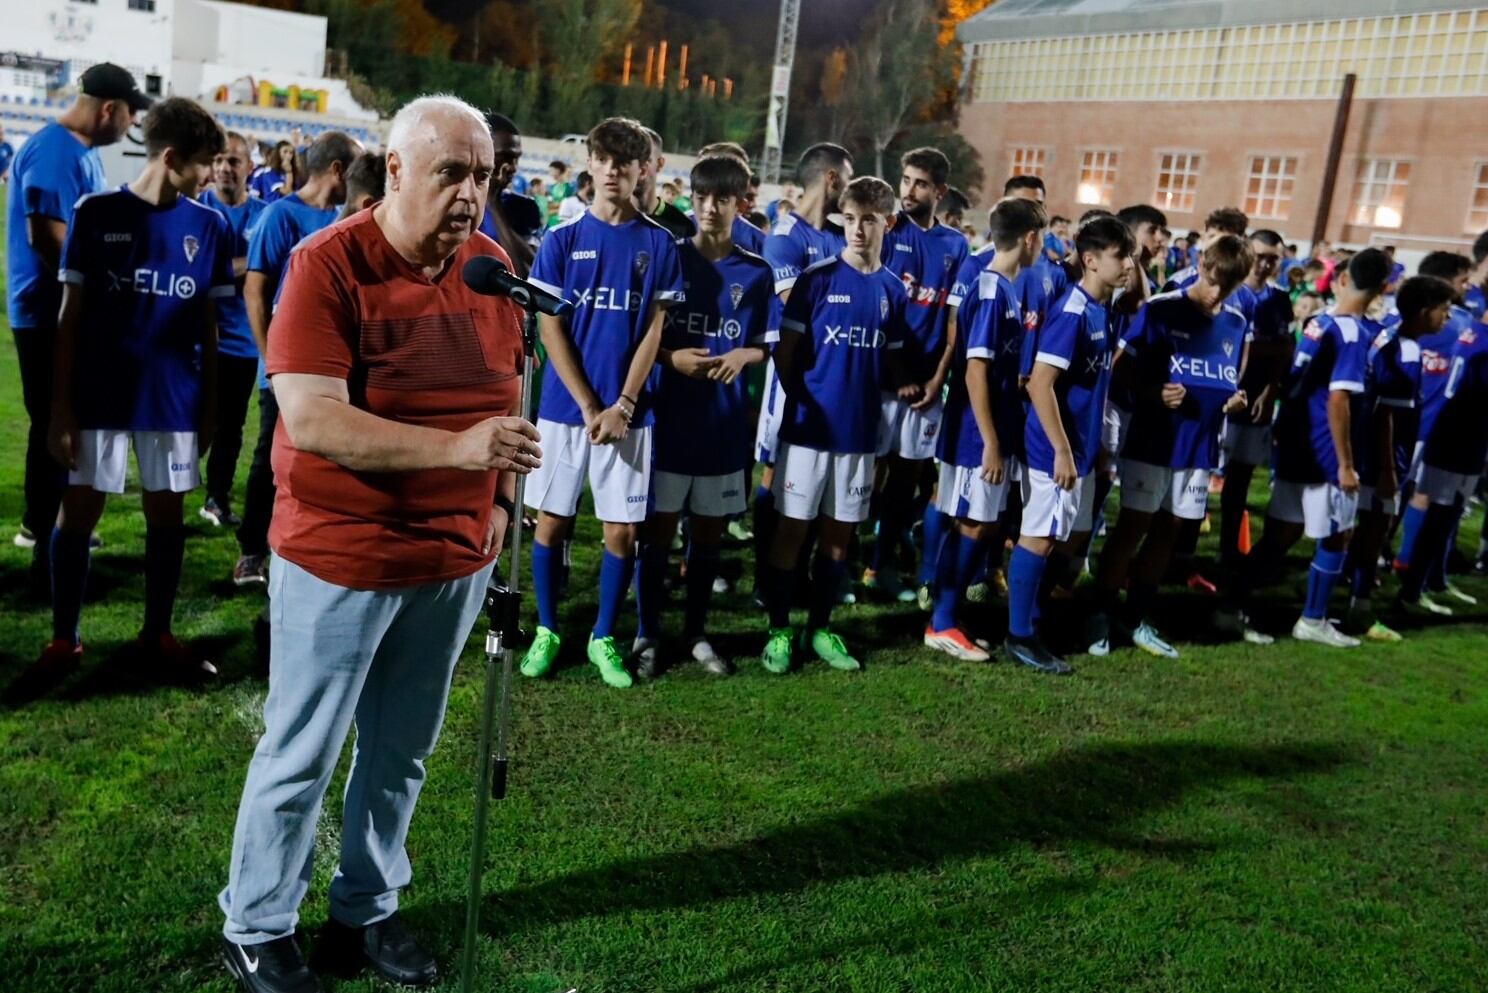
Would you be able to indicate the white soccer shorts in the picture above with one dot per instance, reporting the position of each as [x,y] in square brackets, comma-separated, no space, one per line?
[1322,509]
[1247,444]
[1052,512]
[619,475]
[1114,424]
[168,460]
[772,412]
[1442,486]
[702,496]
[906,432]
[1148,488]
[810,482]
[963,493]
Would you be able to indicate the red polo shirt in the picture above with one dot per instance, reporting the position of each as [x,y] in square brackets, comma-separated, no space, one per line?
[411,349]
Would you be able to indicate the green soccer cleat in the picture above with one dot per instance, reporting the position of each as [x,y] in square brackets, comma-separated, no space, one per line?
[830,649]
[1380,633]
[777,654]
[605,656]
[541,654]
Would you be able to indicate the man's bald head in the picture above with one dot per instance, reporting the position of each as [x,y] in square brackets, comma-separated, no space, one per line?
[439,166]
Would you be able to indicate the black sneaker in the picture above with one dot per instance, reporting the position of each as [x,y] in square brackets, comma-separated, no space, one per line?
[219,513]
[272,967]
[387,946]
[1032,653]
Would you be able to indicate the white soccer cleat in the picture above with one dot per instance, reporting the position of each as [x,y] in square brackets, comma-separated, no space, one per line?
[1460,595]
[956,644]
[1322,632]
[1148,640]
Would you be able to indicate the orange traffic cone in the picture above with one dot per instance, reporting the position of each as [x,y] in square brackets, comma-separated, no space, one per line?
[1244,541]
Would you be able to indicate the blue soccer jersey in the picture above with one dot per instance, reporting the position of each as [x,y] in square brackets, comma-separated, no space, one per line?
[850,322]
[994,334]
[1076,341]
[266,183]
[1333,355]
[1393,380]
[1457,439]
[794,245]
[1175,341]
[234,336]
[747,236]
[703,427]
[1477,302]
[1436,363]
[146,275]
[47,177]
[927,263]
[1040,287]
[1182,279]
[612,274]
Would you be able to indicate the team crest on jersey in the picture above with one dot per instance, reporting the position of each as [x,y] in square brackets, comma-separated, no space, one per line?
[736,293]
[642,263]
[1229,348]
[883,307]
[949,260]
[191,246]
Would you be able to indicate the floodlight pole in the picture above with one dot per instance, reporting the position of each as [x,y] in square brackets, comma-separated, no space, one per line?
[1335,154]
[780,77]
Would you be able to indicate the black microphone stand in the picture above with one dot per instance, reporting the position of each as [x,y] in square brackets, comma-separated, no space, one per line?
[503,615]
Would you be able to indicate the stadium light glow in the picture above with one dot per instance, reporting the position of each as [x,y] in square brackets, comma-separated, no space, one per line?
[1087,193]
[1387,217]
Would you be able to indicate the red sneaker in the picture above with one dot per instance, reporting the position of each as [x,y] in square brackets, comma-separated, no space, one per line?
[956,644]
[1199,584]
[165,652]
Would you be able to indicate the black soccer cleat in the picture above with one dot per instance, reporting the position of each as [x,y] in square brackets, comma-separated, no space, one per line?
[272,967]
[387,946]
[1032,653]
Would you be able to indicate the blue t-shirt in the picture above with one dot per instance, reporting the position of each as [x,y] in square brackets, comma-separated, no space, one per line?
[1077,341]
[1393,380]
[927,263]
[1332,355]
[993,332]
[612,274]
[281,226]
[265,184]
[7,152]
[703,427]
[1174,341]
[1458,438]
[1475,298]
[234,336]
[146,275]
[850,321]
[52,171]
[794,244]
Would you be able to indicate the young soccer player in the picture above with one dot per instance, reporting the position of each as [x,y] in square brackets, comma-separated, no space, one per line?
[620,270]
[926,256]
[1393,387]
[1318,431]
[136,366]
[1247,432]
[1225,220]
[981,444]
[842,326]
[702,414]
[1067,388]
[800,239]
[1179,366]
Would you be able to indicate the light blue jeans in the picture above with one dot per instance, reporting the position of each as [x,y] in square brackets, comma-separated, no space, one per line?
[383,659]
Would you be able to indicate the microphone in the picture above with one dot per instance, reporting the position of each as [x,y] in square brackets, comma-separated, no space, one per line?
[488,276]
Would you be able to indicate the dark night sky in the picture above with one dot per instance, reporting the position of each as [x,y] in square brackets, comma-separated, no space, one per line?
[822,21]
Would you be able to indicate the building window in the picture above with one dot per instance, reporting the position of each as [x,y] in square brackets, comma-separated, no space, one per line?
[1097,179]
[1177,181]
[1027,162]
[1477,210]
[1268,192]
[1379,193]
[146,5]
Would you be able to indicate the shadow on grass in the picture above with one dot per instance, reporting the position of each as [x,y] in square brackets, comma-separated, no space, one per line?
[1094,795]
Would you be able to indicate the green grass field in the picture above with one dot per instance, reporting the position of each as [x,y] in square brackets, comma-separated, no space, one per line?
[1245,819]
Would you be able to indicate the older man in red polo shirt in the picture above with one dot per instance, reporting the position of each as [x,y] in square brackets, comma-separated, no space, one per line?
[396,457]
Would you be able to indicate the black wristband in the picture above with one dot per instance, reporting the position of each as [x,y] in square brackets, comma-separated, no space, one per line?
[506,505]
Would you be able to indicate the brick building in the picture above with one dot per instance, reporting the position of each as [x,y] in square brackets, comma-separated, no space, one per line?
[1194,104]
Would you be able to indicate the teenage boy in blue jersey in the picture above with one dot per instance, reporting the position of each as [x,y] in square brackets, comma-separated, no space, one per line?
[981,441]
[1319,430]
[1225,220]
[708,343]
[798,240]
[56,166]
[1392,405]
[136,367]
[1179,365]
[237,355]
[926,256]
[283,225]
[744,234]
[621,271]
[1067,388]
[839,337]
[1247,433]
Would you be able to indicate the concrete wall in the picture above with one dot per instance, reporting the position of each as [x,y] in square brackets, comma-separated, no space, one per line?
[1442,138]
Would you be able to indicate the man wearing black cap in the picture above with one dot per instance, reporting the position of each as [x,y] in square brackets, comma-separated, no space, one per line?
[57,166]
